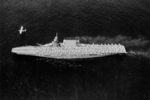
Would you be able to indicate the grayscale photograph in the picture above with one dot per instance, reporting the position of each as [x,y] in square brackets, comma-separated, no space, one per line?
[74,50]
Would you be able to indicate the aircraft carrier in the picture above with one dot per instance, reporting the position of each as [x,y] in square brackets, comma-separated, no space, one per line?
[70,49]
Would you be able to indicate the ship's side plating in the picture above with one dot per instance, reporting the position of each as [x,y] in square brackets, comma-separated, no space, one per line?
[75,48]
[81,50]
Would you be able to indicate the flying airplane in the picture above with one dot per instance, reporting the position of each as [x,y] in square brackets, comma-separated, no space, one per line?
[22,30]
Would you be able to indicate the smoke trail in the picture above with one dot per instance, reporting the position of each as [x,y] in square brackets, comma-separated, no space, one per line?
[126,41]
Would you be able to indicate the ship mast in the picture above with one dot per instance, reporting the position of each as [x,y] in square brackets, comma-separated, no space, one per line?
[55,41]
[56,38]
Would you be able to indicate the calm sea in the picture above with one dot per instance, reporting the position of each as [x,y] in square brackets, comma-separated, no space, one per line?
[119,77]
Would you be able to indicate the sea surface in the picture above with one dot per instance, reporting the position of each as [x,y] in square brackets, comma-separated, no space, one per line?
[119,77]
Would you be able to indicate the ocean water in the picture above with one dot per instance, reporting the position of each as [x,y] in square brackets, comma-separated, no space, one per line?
[119,77]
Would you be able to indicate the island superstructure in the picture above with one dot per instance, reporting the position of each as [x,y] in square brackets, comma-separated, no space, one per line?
[69,49]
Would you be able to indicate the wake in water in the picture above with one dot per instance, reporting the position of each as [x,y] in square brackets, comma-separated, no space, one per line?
[138,53]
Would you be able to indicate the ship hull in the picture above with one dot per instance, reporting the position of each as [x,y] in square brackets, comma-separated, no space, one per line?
[71,62]
[77,56]
[61,53]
